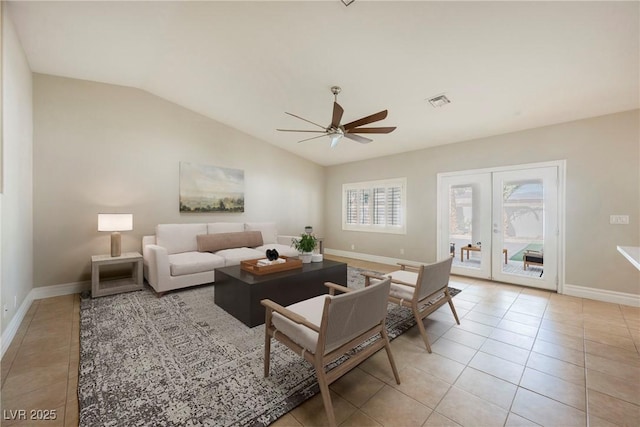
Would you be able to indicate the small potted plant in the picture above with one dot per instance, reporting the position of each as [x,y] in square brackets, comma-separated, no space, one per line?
[305,245]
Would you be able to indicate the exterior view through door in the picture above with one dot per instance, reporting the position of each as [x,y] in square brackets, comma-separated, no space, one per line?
[502,224]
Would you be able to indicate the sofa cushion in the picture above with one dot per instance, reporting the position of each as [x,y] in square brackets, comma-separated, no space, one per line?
[225,227]
[268,229]
[193,262]
[282,249]
[218,241]
[234,256]
[177,238]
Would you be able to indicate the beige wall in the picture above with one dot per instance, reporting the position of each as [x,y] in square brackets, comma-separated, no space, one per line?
[16,206]
[603,178]
[104,148]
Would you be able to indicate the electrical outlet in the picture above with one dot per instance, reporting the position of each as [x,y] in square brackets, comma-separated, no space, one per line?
[402,251]
[619,219]
[353,246]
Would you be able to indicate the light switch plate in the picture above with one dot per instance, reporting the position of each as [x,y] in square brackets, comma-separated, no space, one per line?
[619,219]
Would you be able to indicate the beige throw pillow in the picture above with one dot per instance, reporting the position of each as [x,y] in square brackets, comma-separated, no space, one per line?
[219,241]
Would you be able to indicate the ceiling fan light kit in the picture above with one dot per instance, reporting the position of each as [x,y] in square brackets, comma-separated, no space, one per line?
[336,130]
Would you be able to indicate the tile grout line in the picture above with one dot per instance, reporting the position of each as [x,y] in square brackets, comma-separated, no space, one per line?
[69,367]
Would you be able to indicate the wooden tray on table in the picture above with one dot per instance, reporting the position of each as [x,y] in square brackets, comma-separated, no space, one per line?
[251,265]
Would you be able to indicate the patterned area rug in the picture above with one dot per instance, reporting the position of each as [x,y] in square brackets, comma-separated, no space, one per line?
[180,360]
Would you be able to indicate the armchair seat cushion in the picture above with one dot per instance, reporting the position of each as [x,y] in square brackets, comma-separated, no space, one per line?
[310,309]
[402,291]
[193,262]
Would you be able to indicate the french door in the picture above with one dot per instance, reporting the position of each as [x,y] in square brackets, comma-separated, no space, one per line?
[502,225]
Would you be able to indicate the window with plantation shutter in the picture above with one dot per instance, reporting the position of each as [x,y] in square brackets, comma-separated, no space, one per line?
[377,206]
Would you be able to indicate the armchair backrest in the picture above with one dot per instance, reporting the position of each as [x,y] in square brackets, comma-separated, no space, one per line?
[433,277]
[351,314]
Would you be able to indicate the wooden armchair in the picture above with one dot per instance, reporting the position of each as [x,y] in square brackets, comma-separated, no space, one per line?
[326,327]
[414,286]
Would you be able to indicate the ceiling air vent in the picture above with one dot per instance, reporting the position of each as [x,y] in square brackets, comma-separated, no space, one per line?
[439,101]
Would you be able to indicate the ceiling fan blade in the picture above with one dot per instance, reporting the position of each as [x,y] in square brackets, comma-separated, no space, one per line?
[308,121]
[372,130]
[337,115]
[298,130]
[366,120]
[358,138]
[313,137]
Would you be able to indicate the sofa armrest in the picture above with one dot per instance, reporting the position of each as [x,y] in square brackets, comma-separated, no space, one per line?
[156,259]
[147,240]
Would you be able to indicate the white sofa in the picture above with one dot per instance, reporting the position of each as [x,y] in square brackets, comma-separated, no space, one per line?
[182,255]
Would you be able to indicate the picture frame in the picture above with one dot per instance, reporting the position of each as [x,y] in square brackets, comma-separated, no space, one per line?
[207,189]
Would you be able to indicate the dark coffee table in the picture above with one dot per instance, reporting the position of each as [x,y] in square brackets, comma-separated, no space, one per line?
[239,292]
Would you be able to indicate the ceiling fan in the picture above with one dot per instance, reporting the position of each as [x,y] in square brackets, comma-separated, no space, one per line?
[336,130]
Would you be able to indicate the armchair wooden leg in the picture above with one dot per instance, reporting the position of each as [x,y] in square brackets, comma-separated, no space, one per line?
[267,342]
[267,354]
[387,347]
[324,391]
[453,309]
[423,331]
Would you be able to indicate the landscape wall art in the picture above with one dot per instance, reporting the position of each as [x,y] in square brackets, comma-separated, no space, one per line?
[205,188]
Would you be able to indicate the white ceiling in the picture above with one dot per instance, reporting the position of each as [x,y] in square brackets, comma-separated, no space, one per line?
[506,66]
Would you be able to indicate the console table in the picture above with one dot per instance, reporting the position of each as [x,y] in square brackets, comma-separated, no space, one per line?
[100,288]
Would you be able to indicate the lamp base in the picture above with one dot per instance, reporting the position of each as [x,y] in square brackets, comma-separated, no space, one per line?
[116,244]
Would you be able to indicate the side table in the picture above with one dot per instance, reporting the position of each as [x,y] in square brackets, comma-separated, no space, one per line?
[114,286]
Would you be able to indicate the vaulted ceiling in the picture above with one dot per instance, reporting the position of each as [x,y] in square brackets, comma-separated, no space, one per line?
[505,66]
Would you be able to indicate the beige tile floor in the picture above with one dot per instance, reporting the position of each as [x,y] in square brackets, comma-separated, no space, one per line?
[40,367]
[521,357]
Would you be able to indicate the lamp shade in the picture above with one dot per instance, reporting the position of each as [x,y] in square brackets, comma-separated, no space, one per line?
[115,222]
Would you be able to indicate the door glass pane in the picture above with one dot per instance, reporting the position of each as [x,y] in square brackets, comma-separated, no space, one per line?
[523,227]
[463,247]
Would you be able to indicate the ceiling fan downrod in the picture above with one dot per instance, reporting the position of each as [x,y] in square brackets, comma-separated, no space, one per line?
[335,90]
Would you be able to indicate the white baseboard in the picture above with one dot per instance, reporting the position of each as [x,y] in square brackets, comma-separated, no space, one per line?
[58,290]
[602,295]
[11,330]
[38,293]
[571,290]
